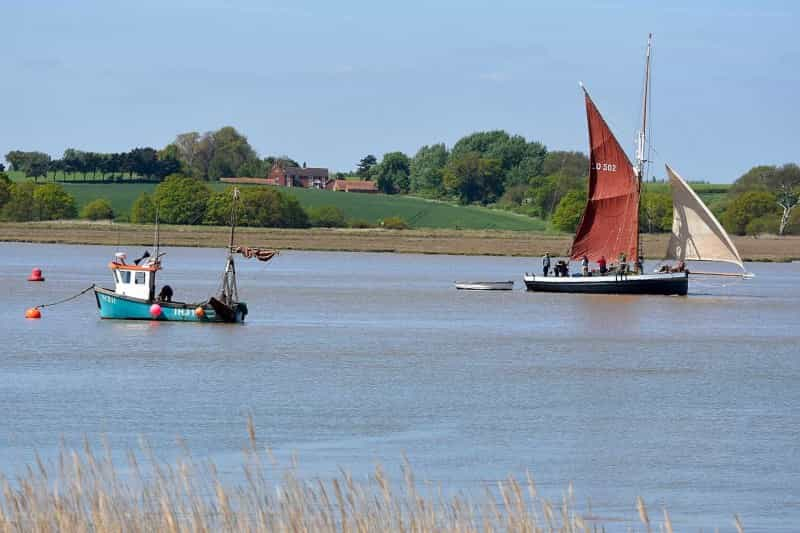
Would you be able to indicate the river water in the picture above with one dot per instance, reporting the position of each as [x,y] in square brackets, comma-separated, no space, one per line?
[353,359]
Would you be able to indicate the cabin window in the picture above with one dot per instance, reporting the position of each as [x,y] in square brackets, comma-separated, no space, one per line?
[139,278]
[125,276]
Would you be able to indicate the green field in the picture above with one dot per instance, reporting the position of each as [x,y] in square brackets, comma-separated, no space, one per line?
[418,212]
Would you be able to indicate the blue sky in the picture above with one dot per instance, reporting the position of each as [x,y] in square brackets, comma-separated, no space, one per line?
[327,82]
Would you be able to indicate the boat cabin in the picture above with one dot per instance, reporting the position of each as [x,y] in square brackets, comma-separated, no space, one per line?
[135,281]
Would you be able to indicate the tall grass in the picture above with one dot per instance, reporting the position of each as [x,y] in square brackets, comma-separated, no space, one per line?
[85,491]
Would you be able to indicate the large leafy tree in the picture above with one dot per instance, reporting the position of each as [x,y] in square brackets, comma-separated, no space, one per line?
[426,171]
[569,211]
[230,151]
[655,212]
[472,178]
[20,206]
[746,208]
[365,166]
[391,175]
[546,192]
[574,164]
[53,202]
[181,200]
[260,207]
[781,181]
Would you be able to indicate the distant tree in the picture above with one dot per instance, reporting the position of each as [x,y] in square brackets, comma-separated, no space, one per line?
[365,165]
[574,164]
[655,212]
[391,175]
[747,207]
[283,160]
[253,168]
[509,150]
[186,146]
[53,202]
[546,192]
[327,216]
[230,151]
[427,170]
[181,200]
[98,209]
[143,210]
[20,206]
[783,182]
[473,178]
[260,207]
[2,167]
[38,165]
[16,159]
[5,189]
[569,211]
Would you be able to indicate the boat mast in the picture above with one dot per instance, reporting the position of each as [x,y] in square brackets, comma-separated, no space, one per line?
[641,160]
[230,292]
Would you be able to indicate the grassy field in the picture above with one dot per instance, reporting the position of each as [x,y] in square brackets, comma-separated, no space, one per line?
[418,212]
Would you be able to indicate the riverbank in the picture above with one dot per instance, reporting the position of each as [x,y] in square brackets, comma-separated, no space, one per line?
[456,242]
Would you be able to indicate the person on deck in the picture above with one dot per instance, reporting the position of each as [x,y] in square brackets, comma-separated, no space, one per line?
[640,265]
[623,263]
[546,264]
[601,264]
[585,266]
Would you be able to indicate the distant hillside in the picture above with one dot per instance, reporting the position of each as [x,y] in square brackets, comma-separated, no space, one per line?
[419,213]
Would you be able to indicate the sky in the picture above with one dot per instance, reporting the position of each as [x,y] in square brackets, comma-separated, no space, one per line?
[328,82]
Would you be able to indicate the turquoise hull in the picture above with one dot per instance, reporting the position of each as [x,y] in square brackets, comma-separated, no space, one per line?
[115,306]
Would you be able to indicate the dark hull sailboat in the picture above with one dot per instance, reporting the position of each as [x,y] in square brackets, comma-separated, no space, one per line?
[660,284]
[609,227]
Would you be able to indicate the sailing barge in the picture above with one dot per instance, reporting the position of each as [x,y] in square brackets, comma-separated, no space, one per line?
[609,226]
[134,294]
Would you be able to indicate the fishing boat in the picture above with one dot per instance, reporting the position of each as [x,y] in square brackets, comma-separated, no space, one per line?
[484,285]
[134,294]
[609,227]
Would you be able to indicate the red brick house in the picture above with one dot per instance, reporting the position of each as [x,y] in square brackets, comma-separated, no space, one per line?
[309,178]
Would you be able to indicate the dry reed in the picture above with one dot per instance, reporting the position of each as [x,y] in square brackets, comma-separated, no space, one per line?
[86,491]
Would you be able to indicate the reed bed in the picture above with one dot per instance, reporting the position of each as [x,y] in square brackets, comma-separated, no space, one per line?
[85,491]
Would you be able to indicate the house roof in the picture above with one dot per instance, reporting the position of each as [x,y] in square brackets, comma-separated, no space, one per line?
[355,185]
[298,172]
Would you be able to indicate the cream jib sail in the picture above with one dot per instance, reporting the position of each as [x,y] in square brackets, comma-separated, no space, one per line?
[696,233]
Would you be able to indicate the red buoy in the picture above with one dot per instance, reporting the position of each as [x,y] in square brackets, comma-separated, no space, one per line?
[155,310]
[33,312]
[36,275]
[199,312]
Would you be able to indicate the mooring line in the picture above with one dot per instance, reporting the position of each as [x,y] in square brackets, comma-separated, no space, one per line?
[84,291]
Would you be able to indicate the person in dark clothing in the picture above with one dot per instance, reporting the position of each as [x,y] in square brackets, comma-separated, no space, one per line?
[584,266]
[601,264]
[546,264]
[166,294]
[640,265]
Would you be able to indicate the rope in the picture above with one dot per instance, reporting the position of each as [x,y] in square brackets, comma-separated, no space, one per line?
[65,300]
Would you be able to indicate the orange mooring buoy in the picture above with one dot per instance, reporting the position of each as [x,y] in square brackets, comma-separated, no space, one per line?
[33,312]
[36,275]
[199,312]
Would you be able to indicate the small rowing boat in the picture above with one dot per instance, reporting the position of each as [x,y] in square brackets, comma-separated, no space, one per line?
[484,285]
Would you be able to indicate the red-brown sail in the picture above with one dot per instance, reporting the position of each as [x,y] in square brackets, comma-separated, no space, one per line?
[610,222]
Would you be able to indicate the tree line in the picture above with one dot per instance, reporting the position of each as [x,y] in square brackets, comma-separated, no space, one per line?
[491,168]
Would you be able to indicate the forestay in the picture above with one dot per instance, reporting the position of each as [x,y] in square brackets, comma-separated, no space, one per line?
[696,233]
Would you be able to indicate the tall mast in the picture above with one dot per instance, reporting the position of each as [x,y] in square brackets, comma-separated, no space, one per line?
[640,148]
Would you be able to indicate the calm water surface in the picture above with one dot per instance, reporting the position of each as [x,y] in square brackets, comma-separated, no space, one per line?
[354,359]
